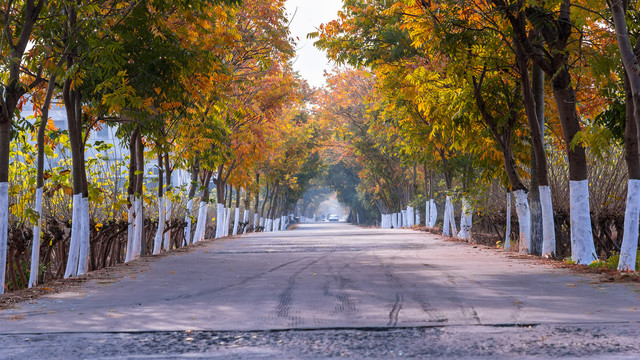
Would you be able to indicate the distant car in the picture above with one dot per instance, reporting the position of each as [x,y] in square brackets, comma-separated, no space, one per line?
[334,218]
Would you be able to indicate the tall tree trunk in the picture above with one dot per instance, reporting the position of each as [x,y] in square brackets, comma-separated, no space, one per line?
[168,205]
[195,173]
[131,190]
[630,57]
[582,247]
[201,226]
[139,243]
[537,231]
[157,243]
[44,119]
[79,244]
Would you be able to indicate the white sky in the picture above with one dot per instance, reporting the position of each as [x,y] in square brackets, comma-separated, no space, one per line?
[311,62]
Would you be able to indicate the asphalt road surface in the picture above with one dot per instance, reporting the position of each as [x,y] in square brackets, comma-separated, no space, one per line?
[329,291]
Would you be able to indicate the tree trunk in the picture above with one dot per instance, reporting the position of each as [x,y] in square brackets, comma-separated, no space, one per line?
[168,205]
[536,237]
[157,243]
[629,55]
[582,246]
[201,226]
[44,118]
[131,194]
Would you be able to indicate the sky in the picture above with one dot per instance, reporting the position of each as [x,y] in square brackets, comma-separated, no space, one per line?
[310,62]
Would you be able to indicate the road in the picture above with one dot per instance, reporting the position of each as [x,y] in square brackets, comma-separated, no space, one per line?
[331,291]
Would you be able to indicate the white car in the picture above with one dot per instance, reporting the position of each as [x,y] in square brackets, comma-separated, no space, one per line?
[333,217]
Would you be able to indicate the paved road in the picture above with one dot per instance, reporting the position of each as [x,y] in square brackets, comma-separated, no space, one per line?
[331,291]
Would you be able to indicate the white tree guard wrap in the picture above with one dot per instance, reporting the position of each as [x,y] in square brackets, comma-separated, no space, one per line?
[138,227]
[85,246]
[427,213]
[447,217]
[433,213]
[35,247]
[548,226]
[466,220]
[629,248]
[157,241]
[167,235]
[245,220]
[583,250]
[452,219]
[524,219]
[130,230]
[187,229]
[227,221]
[74,245]
[507,232]
[219,220]
[236,221]
[202,222]
[4,231]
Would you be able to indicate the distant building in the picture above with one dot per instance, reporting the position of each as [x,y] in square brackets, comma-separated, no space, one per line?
[116,155]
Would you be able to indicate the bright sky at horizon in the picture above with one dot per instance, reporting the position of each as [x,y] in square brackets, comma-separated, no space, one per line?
[310,62]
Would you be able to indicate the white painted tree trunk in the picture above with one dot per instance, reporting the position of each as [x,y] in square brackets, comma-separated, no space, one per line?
[219,220]
[245,220]
[167,234]
[85,245]
[35,246]
[276,224]
[433,213]
[417,221]
[187,229]
[466,220]
[202,222]
[130,230]
[76,237]
[507,232]
[427,213]
[629,248]
[548,225]
[262,223]
[583,250]
[452,219]
[138,228]
[4,231]
[524,221]
[236,221]
[394,220]
[256,221]
[357,218]
[447,217]
[227,220]
[157,241]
